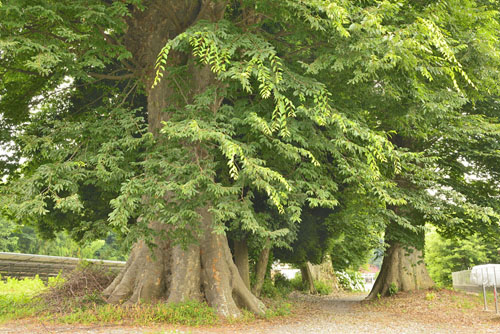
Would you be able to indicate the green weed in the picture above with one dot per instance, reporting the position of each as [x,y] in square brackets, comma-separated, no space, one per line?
[430,296]
[245,317]
[490,297]
[188,313]
[393,289]
[278,310]
[323,288]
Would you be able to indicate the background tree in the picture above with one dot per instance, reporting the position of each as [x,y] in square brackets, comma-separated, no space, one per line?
[359,226]
[8,242]
[444,256]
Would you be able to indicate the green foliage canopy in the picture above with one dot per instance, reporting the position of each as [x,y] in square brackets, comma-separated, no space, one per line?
[320,102]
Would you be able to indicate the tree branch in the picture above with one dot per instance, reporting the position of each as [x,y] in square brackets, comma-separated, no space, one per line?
[112,77]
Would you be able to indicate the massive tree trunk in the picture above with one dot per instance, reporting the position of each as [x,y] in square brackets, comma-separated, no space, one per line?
[403,268]
[204,271]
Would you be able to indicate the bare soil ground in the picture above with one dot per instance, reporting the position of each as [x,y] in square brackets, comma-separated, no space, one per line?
[440,312]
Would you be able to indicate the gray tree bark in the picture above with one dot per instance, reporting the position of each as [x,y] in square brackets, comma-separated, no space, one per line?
[241,260]
[205,271]
[307,277]
[403,269]
[261,268]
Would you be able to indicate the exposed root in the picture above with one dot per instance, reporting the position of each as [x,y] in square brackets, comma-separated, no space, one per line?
[204,271]
[145,276]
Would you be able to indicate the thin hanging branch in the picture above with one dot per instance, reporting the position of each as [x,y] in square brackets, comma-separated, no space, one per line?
[111,76]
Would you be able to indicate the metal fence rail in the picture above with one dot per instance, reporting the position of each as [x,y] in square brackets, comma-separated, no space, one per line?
[461,281]
[29,265]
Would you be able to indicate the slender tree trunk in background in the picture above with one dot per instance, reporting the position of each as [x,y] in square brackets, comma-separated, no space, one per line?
[324,272]
[403,269]
[241,260]
[307,277]
[261,268]
[205,271]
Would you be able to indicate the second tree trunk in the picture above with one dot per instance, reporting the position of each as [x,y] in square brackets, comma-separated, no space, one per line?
[403,269]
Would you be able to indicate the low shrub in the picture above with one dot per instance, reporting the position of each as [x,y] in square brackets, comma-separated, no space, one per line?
[281,280]
[269,290]
[283,285]
[279,289]
[322,287]
[278,310]
[350,280]
[297,283]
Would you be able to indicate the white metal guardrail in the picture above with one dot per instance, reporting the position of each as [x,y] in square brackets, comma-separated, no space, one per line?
[487,275]
[461,281]
[28,265]
[479,279]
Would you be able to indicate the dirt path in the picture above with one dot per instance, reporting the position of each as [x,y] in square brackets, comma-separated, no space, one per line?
[318,315]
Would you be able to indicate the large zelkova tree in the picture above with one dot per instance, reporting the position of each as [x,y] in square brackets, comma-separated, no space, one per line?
[173,121]
[165,120]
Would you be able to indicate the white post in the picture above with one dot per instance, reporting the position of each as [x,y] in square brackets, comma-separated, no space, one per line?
[484,290]
[495,288]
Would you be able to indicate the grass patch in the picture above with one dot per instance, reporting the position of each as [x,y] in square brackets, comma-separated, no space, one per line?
[278,309]
[19,307]
[19,298]
[490,297]
[68,301]
[188,313]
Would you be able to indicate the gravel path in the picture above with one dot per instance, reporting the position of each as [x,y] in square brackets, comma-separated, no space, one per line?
[322,315]
[329,315]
